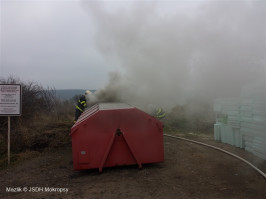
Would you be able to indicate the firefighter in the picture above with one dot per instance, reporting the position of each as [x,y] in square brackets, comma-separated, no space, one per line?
[81,105]
[159,113]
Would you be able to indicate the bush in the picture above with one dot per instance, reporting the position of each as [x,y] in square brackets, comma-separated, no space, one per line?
[194,116]
[35,99]
[42,113]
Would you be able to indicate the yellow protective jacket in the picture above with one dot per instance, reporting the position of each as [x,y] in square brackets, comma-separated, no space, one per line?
[160,114]
[81,103]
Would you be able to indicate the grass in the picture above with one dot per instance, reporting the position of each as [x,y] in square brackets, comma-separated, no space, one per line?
[30,140]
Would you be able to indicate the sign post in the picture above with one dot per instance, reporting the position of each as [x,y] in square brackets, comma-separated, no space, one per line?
[10,105]
[8,140]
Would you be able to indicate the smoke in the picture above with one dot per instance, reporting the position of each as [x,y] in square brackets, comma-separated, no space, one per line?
[170,51]
[112,92]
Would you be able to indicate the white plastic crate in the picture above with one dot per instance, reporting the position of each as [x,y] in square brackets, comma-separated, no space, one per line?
[245,124]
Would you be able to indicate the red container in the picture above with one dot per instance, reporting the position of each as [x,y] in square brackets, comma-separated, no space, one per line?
[113,134]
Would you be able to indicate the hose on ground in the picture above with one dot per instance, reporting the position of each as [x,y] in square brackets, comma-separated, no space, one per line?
[219,149]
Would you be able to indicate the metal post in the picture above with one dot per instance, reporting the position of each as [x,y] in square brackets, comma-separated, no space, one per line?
[8,141]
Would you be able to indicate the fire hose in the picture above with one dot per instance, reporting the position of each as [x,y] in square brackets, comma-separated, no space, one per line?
[219,149]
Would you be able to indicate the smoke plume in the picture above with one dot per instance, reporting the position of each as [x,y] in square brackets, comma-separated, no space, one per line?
[170,51]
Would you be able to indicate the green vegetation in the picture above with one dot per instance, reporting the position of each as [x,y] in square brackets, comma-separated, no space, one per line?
[44,124]
[194,116]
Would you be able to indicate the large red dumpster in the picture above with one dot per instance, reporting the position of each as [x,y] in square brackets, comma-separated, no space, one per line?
[112,134]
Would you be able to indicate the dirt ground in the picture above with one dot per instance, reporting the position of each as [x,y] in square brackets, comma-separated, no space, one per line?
[189,171]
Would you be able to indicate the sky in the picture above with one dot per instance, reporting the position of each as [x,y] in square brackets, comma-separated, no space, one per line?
[167,51]
[51,42]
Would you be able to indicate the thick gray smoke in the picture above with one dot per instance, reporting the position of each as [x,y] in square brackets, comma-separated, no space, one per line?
[170,51]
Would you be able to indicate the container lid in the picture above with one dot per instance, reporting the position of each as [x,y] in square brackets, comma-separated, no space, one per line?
[114,106]
[101,106]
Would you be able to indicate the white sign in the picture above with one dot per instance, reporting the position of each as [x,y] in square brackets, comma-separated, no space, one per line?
[10,99]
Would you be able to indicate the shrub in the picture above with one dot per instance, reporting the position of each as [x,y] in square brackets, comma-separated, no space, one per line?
[194,116]
[40,109]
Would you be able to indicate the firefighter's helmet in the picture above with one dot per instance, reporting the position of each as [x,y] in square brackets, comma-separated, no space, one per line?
[87,92]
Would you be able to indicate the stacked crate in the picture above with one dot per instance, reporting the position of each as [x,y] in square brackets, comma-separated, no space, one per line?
[242,122]
[252,112]
[227,127]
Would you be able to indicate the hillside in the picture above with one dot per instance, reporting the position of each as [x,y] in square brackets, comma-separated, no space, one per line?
[67,94]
